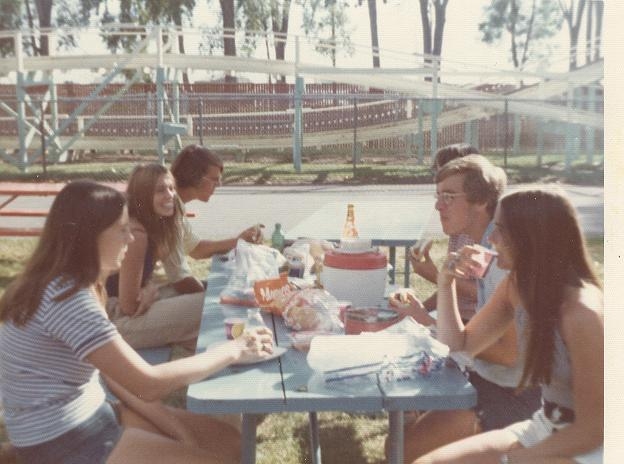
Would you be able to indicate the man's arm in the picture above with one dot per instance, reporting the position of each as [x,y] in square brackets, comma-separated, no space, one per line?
[207,248]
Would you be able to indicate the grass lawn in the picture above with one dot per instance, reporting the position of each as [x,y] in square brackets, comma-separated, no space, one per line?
[320,170]
[283,438]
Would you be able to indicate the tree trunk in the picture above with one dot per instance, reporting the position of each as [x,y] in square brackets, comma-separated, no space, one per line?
[372,15]
[426,31]
[177,20]
[44,11]
[229,41]
[574,26]
[440,21]
[281,33]
[588,33]
[598,37]
[426,27]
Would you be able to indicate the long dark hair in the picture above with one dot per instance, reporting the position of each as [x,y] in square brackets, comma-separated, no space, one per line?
[162,232]
[67,247]
[549,254]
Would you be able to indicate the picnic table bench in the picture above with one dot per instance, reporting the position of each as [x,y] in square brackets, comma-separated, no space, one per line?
[15,190]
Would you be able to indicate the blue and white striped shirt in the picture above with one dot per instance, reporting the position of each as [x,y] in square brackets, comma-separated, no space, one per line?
[47,386]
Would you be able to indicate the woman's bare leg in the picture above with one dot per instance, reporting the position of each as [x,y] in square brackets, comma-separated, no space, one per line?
[484,448]
[433,429]
[208,432]
[141,447]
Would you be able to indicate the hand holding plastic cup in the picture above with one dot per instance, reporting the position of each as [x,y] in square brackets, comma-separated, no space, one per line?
[417,252]
[484,258]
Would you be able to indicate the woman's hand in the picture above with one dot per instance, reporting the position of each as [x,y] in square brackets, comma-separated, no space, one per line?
[462,263]
[253,234]
[147,296]
[254,345]
[406,303]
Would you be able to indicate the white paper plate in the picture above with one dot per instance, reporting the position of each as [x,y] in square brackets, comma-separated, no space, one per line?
[277,352]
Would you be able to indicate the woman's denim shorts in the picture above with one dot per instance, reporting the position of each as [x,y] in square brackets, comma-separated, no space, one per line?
[89,443]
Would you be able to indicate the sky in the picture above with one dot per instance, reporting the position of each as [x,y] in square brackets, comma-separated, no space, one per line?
[399,38]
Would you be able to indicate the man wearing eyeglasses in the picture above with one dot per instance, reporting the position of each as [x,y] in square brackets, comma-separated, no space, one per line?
[467,192]
[197,172]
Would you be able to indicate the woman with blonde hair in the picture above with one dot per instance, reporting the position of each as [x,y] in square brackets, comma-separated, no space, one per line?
[55,340]
[554,298]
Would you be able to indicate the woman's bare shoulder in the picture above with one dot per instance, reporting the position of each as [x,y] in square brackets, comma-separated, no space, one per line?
[582,306]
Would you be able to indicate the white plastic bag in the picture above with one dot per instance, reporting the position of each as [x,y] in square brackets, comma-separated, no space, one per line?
[251,263]
[313,309]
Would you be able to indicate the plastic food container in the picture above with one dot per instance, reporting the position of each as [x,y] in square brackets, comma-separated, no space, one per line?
[359,320]
[356,277]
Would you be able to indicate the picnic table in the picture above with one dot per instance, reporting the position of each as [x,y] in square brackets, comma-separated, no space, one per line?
[13,191]
[281,385]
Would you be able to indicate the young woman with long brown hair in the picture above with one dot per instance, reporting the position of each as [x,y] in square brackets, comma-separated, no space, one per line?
[55,340]
[147,313]
[555,299]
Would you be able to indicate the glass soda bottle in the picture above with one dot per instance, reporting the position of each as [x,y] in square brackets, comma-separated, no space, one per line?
[277,238]
[254,319]
[349,230]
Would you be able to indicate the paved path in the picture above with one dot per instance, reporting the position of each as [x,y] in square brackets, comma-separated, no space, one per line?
[232,209]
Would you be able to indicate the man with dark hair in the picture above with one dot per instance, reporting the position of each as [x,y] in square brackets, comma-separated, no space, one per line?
[197,172]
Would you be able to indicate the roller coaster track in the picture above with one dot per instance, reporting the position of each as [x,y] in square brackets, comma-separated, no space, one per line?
[532,101]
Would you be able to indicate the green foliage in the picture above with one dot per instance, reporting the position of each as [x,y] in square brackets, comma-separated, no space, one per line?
[327,22]
[528,23]
[55,14]
[145,12]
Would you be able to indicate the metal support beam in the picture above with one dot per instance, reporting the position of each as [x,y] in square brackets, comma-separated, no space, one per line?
[298,123]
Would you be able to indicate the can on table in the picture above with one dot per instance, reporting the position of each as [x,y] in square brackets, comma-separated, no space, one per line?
[234,327]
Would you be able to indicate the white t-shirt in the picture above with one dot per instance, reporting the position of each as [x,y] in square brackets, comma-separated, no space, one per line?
[175,264]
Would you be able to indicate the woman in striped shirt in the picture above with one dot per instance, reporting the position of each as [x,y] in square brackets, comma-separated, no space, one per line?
[55,340]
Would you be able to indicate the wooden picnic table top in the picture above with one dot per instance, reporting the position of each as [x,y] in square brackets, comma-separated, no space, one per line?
[43,188]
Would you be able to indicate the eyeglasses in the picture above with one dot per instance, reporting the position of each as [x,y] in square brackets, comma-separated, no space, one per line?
[447,197]
[213,180]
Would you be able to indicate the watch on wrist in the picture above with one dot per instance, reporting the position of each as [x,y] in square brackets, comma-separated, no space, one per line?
[504,459]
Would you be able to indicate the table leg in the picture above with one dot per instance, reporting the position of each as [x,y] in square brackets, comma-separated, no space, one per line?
[248,439]
[392,263]
[315,444]
[395,426]
[406,281]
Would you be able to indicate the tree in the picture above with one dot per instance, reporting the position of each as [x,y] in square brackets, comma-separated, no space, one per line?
[593,42]
[573,14]
[37,15]
[598,36]
[269,18]
[327,21]
[432,45]
[372,18]
[147,12]
[527,22]
[9,20]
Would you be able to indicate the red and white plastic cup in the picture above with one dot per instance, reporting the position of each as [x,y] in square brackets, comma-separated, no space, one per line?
[485,256]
